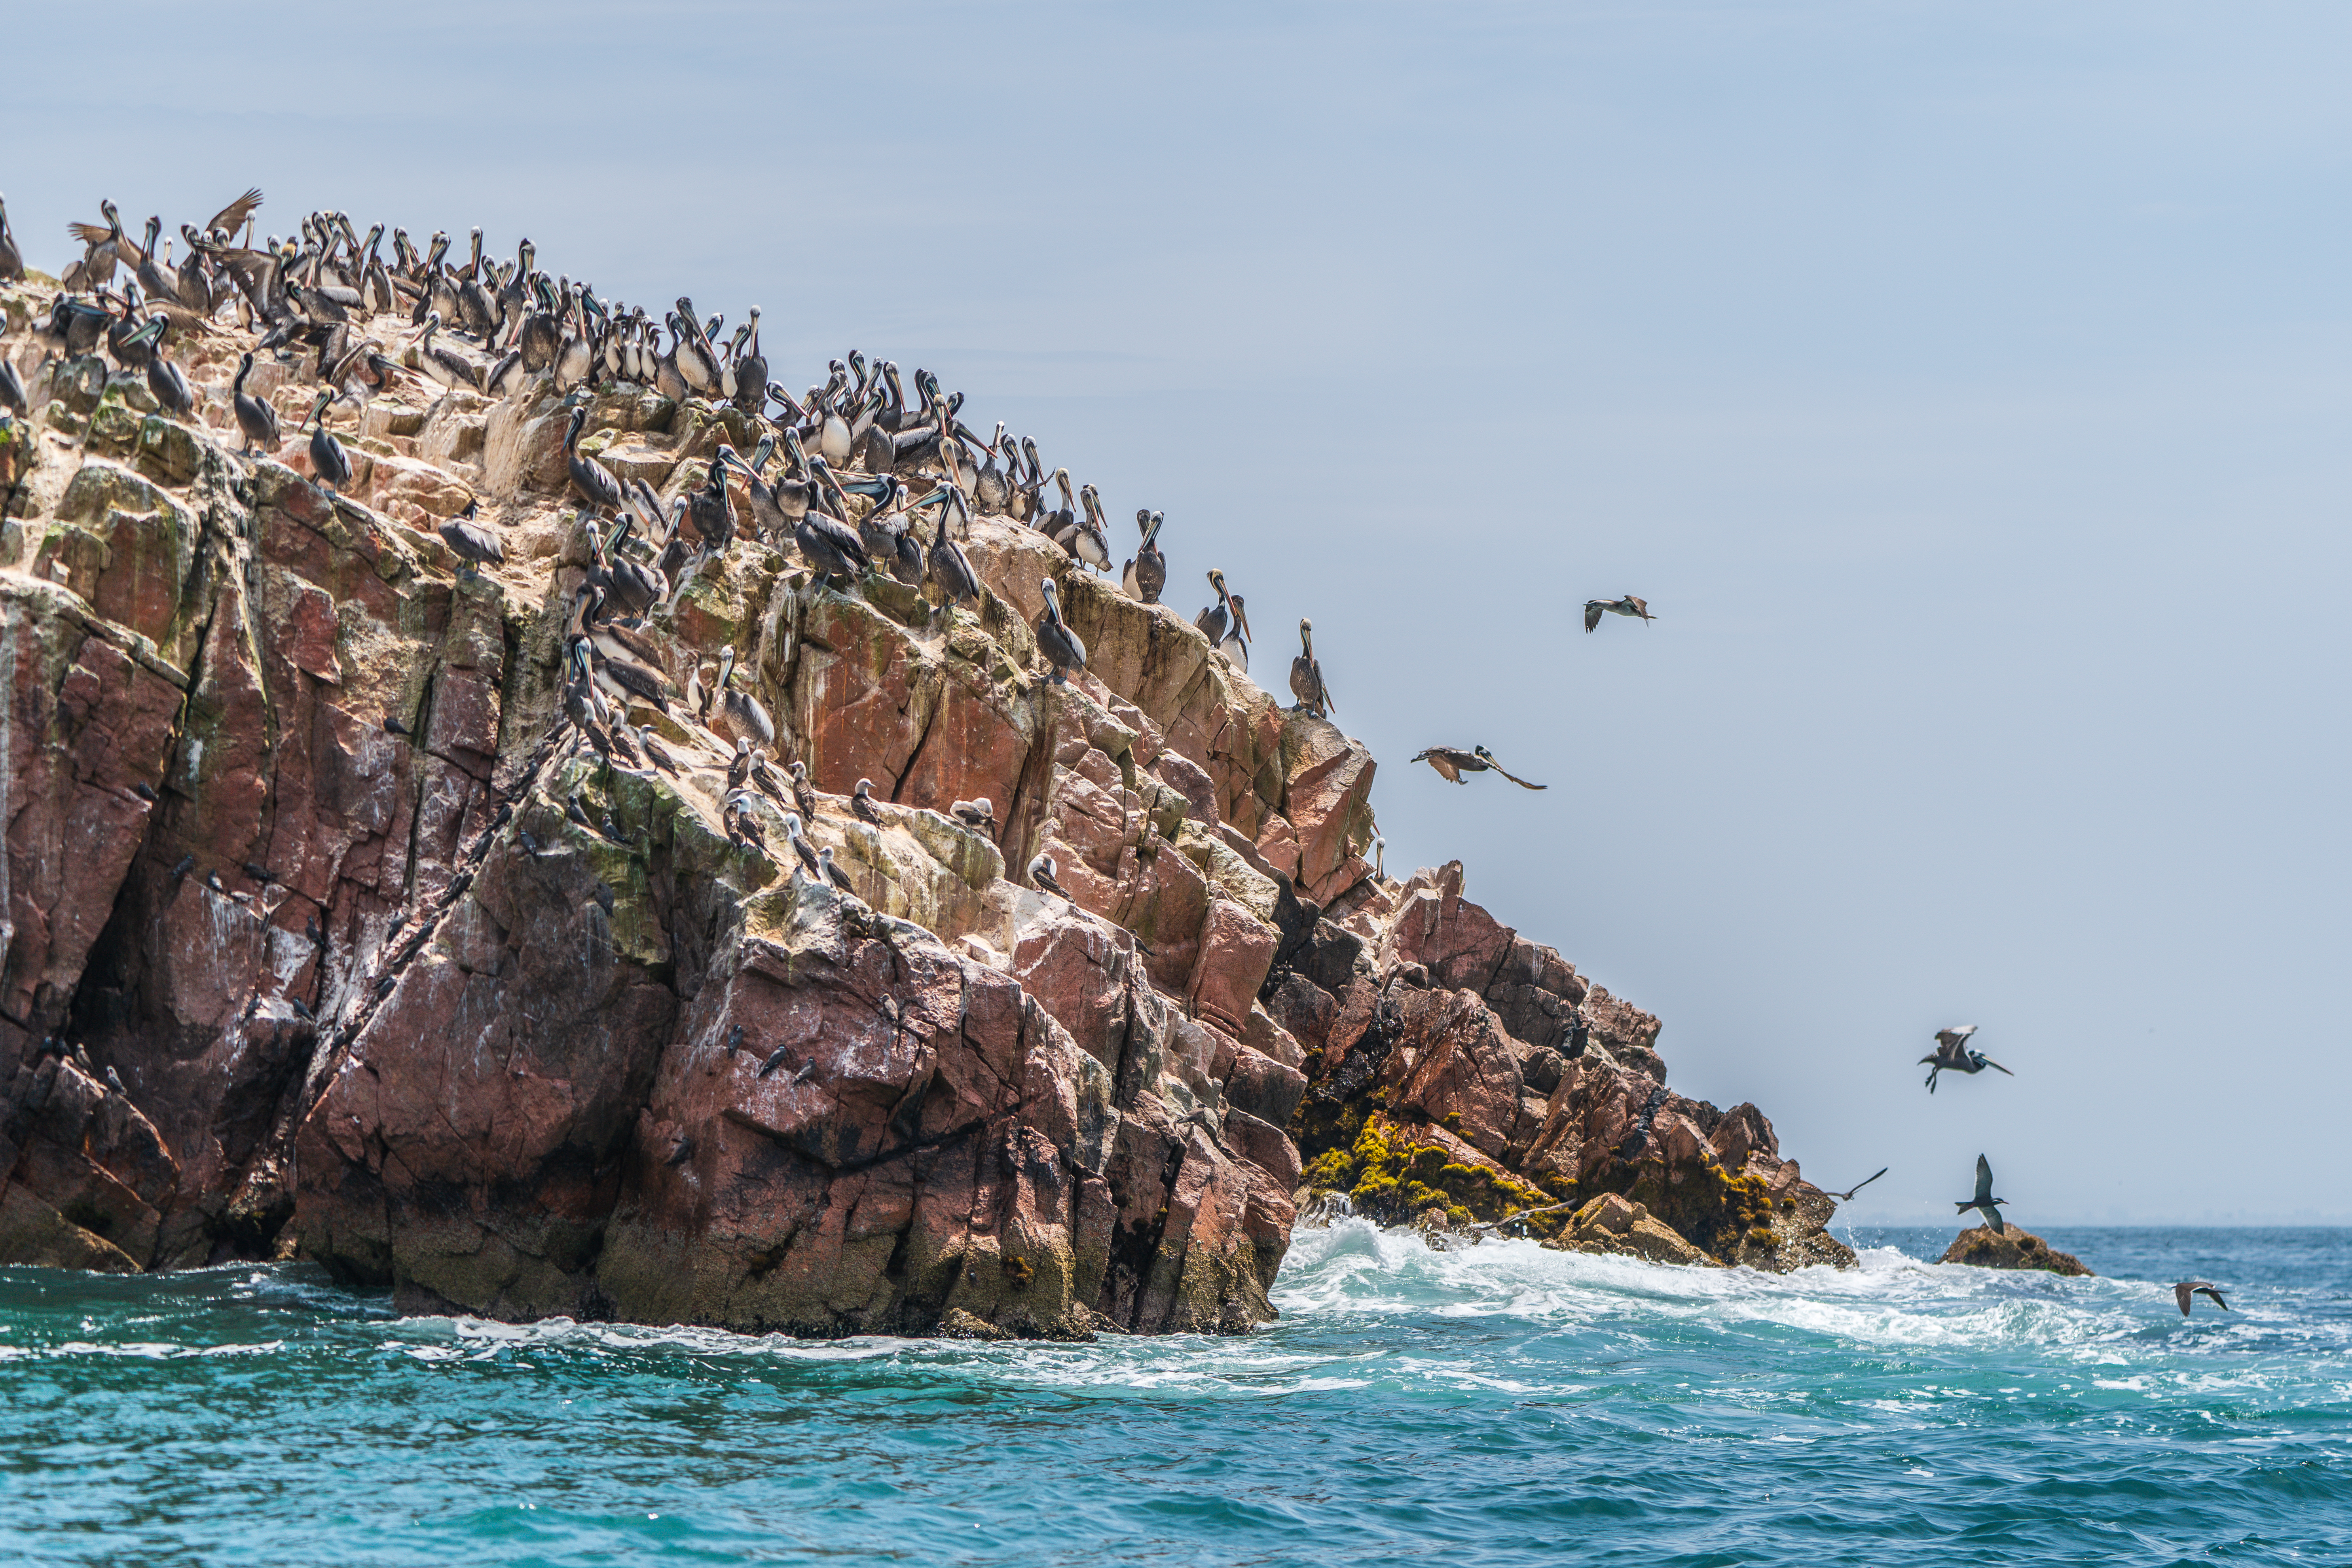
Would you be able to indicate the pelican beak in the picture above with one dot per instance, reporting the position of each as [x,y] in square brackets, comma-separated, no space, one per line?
[1241,619]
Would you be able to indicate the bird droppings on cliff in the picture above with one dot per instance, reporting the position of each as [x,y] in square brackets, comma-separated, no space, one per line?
[1452,762]
[1952,1055]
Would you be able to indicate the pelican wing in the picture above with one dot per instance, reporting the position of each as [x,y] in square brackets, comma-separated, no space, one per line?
[1957,1032]
[1514,777]
[1444,762]
[232,217]
[1593,610]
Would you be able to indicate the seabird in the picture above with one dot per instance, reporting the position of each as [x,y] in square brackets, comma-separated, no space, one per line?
[1628,605]
[804,793]
[163,379]
[740,714]
[1236,646]
[775,1059]
[330,464]
[1211,622]
[861,801]
[592,478]
[949,567]
[1847,1197]
[1952,1055]
[735,815]
[832,873]
[12,261]
[1056,641]
[1452,762]
[1306,674]
[471,542]
[800,846]
[1147,575]
[1984,1200]
[979,812]
[2189,1289]
[1042,872]
[255,417]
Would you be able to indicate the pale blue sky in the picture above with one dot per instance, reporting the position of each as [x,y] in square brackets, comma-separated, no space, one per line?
[1964,385]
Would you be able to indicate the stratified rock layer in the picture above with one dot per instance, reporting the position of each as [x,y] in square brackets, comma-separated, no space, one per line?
[305,951]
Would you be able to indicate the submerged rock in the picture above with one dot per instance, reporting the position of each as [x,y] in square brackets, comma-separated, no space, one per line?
[1979,1247]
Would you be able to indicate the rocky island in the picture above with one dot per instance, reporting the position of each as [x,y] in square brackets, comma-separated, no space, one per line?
[326,938]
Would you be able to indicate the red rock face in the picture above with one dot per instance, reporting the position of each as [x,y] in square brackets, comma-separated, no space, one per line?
[324,936]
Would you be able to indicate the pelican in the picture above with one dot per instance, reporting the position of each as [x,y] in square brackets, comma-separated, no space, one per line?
[1984,1201]
[636,587]
[1060,645]
[1042,872]
[861,801]
[1628,605]
[739,712]
[751,368]
[949,567]
[329,462]
[1211,622]
[447,366]
[1306,674]
[591,478]
[12,261]
[95,268]
[1236,646]
[471,542]
[1147,575]
[255,417]
[832,546]
[1452,762]
[710,509]
[164,378]
[1083,536]
[1952,1055]
[626,668]
[2189,1290]
[991,491]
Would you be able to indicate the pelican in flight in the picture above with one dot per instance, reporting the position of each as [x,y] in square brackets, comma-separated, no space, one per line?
[1628,605]
[1952,1055]
[1452,762]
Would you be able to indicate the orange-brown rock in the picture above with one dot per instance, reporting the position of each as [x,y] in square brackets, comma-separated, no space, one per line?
[306,950]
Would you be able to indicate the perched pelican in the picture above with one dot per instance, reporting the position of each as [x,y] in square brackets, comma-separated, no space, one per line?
[1211,622]
[1452,762]
[1236,646]
[832,546]
[751,368]
[329,462]
[470,542]
[1628,605]
[636,587]
[12,261]
[949,567]
[1147,575]
[1061,647]
[739,712]
[255,417]
[2189,1290]
[1983,1201]
[95,268]
[1306,674]
[1084,536]
[591,478]
[1952,1055]
[710,509]
[628,669]
[979,812]
[1042,872]
[861,801]
[446,365]
[170,387]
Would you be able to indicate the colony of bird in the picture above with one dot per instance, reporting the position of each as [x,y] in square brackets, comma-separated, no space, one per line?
[316,300]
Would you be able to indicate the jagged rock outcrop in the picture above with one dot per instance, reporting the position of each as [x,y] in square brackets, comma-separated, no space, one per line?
[304,952]
[2016,1247]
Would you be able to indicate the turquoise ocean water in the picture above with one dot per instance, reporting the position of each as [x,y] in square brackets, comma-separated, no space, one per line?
[1501,1405]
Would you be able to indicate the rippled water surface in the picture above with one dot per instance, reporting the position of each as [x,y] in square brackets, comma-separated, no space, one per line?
[1501,1405]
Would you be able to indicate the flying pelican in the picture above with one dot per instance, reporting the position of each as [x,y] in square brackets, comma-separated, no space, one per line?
[1306,674]
[1952,1055]
[1452,762]
[1055,640]
[1628,605]
[1984,1200]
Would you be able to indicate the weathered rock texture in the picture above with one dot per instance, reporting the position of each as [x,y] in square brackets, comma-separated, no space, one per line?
[303,952]
[2015,1249]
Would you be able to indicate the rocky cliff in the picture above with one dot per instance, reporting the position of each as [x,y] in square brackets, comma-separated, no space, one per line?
[305,951]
